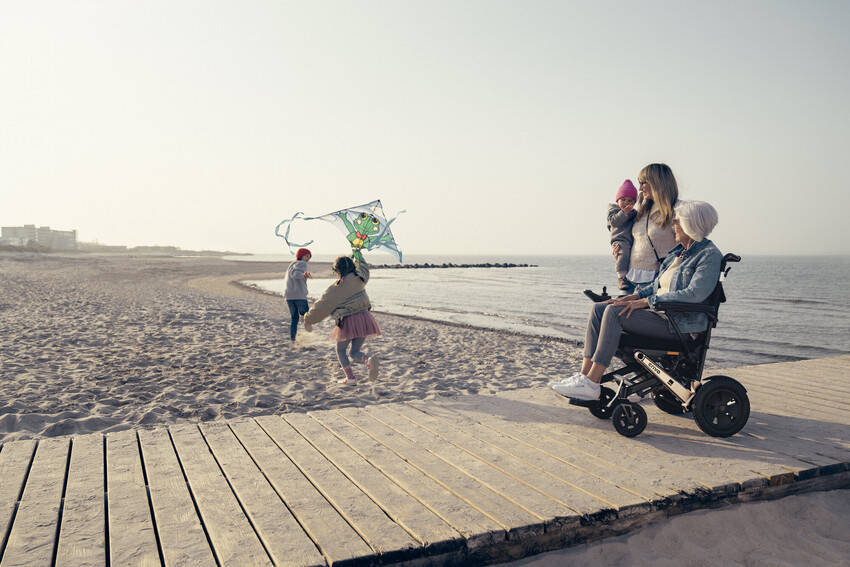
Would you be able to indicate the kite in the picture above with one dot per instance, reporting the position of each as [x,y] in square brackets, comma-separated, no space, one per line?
[365,226]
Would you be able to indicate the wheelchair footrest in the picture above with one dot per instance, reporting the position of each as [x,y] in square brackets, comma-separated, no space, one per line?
[583,403]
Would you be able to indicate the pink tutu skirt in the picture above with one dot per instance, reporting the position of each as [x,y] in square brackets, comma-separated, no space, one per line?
[360,324]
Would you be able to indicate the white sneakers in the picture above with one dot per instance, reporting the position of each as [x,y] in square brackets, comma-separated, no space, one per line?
[567,380]
[581,388]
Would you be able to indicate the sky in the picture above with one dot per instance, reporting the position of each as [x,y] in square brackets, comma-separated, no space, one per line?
[500,127]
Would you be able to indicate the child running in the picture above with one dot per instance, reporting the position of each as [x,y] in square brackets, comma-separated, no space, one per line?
[621,217]
[346,301]
[295,292]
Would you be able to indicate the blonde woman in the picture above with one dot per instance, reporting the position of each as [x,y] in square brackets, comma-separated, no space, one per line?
[653,227]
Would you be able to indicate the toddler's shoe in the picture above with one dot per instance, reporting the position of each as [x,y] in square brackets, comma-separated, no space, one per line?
[582,389]
[622,282]
[373,365]
[567,380]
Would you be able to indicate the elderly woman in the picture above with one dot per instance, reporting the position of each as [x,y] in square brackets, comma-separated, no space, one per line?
[689,274]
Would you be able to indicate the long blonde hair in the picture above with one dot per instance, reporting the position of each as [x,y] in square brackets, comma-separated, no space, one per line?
[665,191]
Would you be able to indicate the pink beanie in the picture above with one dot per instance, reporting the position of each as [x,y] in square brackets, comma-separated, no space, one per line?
[627,190]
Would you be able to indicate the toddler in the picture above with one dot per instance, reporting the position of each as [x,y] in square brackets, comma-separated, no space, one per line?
[621,217]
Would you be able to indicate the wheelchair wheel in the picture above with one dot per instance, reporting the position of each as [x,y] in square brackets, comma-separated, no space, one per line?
[668,403]
[721,407]
[629,419]
[601,409]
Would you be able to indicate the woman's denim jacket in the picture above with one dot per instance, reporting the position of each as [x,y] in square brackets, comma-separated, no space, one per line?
[694,280]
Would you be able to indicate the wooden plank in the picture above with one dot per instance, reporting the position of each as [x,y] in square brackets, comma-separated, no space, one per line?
[483,472]
[731,458]
[814,380]
[663,455]
[82,537]
[520,483]
[282,536]
[15,459]
[33,536]
[477,529]
[335,538]
[182,539]
[818,403]
[515,520]
[132,536]
[425,526]
[546,429]
[569,426]
[603,481]
[231,534]
[367,518]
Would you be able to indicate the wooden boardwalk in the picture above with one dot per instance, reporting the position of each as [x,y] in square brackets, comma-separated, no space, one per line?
[465,480]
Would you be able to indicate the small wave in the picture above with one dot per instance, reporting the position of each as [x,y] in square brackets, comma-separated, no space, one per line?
[790,300]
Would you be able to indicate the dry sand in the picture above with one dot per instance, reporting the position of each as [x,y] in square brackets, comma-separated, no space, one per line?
[104,343]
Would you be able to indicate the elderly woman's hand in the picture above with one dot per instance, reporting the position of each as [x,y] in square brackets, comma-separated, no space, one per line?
[632,305]
[615,250]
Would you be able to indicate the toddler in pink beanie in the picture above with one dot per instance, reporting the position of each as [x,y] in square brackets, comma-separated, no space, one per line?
[621,217]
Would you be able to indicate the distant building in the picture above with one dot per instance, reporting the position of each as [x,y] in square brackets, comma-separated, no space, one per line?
[29,235]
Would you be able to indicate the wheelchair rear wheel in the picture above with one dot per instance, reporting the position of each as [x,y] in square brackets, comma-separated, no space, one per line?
[668,403]
[721,406]
[601,409]
[629,419]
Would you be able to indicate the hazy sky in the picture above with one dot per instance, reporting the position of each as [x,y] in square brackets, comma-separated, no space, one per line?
[501,127]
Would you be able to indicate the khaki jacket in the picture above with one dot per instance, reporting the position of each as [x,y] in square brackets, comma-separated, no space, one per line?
[342,298]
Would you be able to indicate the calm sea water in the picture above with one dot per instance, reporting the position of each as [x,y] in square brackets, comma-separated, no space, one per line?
[778,308]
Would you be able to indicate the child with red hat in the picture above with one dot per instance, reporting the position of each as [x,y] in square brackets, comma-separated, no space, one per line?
[621,217]
[295,292]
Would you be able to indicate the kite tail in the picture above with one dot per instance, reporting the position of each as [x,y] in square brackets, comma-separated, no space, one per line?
[285,236]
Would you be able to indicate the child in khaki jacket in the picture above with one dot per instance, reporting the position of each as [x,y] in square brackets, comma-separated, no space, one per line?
[346,301]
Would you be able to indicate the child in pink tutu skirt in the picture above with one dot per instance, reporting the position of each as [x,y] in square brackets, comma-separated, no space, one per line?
[346,302]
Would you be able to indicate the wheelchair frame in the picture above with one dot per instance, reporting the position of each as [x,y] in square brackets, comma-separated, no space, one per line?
[671,372]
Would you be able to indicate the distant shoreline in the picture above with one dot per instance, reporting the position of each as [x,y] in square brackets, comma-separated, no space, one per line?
[120,250]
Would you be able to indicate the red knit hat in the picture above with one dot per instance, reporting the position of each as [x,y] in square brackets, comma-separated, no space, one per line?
[301,253]
[627,190]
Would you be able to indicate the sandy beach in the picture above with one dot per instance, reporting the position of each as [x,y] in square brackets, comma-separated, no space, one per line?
[105,343]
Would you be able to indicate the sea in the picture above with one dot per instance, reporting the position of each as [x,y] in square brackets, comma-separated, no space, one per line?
[779,308]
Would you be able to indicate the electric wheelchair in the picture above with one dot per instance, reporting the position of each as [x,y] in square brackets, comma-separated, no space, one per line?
[670,370]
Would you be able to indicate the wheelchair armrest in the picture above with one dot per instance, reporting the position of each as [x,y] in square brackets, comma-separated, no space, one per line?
[681,307]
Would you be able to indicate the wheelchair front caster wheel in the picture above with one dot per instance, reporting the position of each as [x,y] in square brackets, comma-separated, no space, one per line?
[601,409]
[721,406]
[629,419]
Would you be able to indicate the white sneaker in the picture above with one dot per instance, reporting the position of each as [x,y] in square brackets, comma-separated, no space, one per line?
[582,389]
[567,380]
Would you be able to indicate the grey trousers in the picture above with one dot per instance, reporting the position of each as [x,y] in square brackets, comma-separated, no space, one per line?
[356,354]
[605,325]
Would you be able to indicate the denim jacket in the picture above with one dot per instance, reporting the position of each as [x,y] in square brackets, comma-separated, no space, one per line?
[694,280]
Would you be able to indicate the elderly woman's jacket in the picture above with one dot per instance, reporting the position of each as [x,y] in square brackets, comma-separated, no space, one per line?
[343,298]
[694,280]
